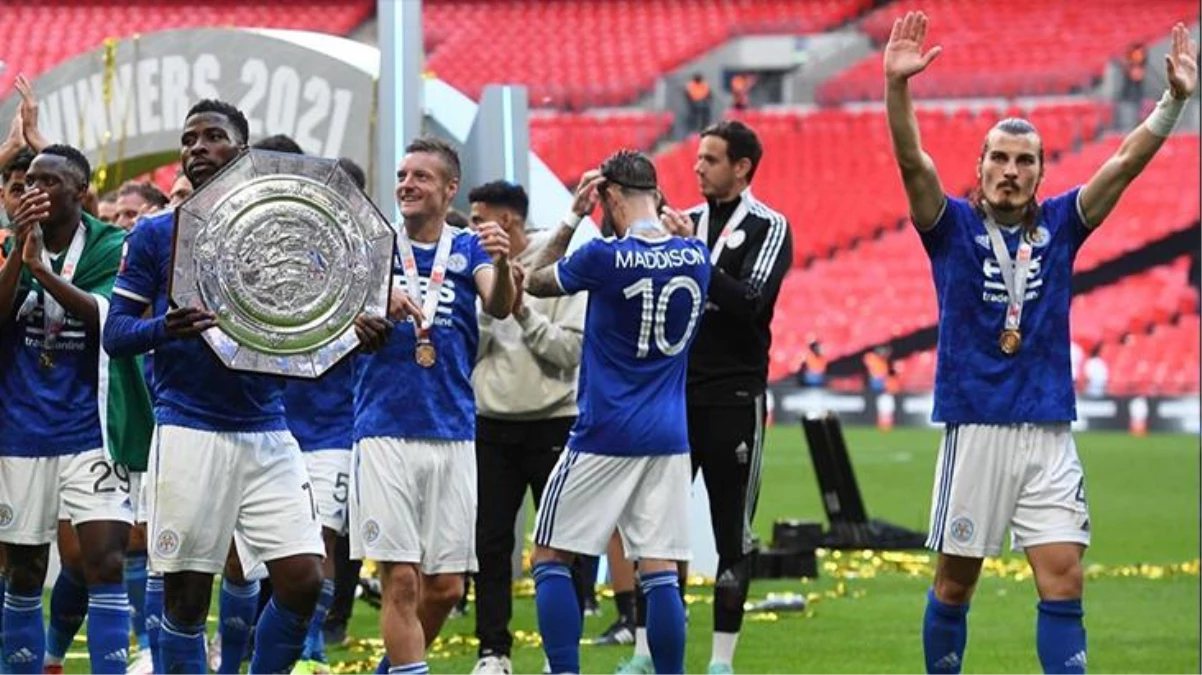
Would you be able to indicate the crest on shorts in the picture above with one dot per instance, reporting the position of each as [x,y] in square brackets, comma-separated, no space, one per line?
[961,530]
[166,543]
[371,531]
[457,262]
[6,515]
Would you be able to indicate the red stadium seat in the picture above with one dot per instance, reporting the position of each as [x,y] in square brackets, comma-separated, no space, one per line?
[584,53]
[571,143]
[1042,35]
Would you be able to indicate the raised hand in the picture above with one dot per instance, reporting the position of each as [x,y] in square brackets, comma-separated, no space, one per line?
[15,138]
[494,241]
[585,199]
[519,286]
[675,222]
[1182,64]
[903,55]
[32,210]
[31,250]
[28,113]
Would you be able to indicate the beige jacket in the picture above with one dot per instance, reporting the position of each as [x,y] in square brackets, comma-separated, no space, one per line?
[526,368]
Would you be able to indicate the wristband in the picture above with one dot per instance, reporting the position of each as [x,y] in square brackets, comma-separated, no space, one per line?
[1164,117]
[573,219]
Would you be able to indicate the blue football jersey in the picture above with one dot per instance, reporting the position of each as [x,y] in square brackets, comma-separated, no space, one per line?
[191,387]
[321,413]
[397,398]
[644,305]
[48,401]
[974,381]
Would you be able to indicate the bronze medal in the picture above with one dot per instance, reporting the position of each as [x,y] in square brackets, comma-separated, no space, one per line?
[424,354]
[1010,342]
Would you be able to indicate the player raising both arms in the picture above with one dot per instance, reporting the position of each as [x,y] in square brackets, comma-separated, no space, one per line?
[627,460]
[1002,264]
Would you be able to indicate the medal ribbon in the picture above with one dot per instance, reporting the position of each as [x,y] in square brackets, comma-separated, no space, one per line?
[736,219]
[54,317]
[1014,273]
[438,273]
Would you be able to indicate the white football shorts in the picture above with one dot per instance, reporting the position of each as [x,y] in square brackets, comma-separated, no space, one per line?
[646,498]
[330,473]
[989,477]
[414,501]
[207,485]
[35,492]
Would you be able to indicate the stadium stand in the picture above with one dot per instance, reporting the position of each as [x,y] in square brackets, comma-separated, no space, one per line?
[592,68]
[819,166]
[881,290]
[1064,45]
[573,143]
[1146,325]
[861,278]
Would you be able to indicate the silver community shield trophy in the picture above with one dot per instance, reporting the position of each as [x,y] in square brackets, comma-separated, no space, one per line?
[287,251]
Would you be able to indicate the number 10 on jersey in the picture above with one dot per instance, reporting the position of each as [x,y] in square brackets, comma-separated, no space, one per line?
[655,313]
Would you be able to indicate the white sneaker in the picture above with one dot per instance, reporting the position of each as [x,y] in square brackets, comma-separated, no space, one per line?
[493,665]
[215,651]
[142,665]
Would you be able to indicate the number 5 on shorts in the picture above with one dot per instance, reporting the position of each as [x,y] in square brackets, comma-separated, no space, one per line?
[341,487]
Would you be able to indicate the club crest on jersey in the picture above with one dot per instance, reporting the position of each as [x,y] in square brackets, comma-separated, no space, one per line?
[6,515]
[457,262]
[166,543]
[961,530]
[1039,237]
[736,239]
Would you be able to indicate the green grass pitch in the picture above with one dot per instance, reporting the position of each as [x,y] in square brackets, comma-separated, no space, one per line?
[1144,503]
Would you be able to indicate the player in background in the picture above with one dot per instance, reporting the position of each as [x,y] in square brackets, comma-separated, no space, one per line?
[63,405]
[223,457]
[321,414]
[181,189]
[627,460]
[1002,265]
[525,385]
[135,200]
[413,482]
